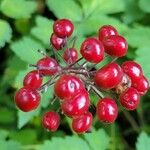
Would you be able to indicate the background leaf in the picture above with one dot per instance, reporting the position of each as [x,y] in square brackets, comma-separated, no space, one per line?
[5,33]
[145,5]
[18,9]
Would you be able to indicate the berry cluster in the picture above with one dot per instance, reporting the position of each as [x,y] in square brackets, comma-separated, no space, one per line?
[74,82]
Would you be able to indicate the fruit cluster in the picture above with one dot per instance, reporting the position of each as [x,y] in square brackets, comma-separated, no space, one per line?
[74,82]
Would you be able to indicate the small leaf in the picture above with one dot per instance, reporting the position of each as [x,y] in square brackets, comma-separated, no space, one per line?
[97,139]
[25,117]
[18,8]
[5,33]
[145,5]
[65,9]
[143,142]
[43,29]
[26,49]
[73,143]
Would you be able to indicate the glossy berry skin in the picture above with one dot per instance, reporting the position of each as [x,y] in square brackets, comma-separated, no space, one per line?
[70,55]
[92,50]
[115,45]
[48,66]
[82,123]
[66,86]
[27,99]
[132,69]
[106,31]
[107,110]
[57,42]
[51,121]
[108,76]
[77,105]
[141,84]
[130,99]
[63,28]
[32,80]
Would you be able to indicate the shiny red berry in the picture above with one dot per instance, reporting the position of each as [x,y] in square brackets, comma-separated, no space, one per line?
[67,85]
[48,66]
[32,80]
[105,31]
[51,121]
[77,105]
[132,69]
[82,123]
[57,42]
[109,76]
[27,99]
[92,50]
[107,110]
[115,45]
[63,28]
[141,84]
[70,55]
[130,99]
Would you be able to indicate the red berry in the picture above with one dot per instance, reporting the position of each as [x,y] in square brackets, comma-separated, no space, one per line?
[130,98]
[82,123]
[63,28]
[57,42]
[77,105]
[48,66]
[115,45]
[106,31]
[109,76]
[132,69]
[141,84]
[70,55]
[107,110]
[32,80]
[27,99]
[51,121]
[66,86]
[92,50]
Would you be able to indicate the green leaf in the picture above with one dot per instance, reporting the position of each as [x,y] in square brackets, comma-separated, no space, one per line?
[21,136]
[43,29]
[65,9]
[97,7]
[138,36]
[26,49]
[73,143]
[3,134]
[5,33]
[143,142]
[145,5]
[143,56]
[132,12]
[10,145]
[97,139]
[18,8]
[25,117]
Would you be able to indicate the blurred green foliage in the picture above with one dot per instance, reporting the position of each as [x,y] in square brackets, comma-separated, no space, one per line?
[25,26]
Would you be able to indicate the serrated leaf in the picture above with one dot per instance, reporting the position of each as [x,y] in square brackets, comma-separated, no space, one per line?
[9,145]
[138,36]
[26,49]
[73,143]
[18,8]
[43,29]
[25,117]
[143,142]
[97,139]
[5,33]
[132,12]
[143,56]
[65,9]
[97,7]
[145,5]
